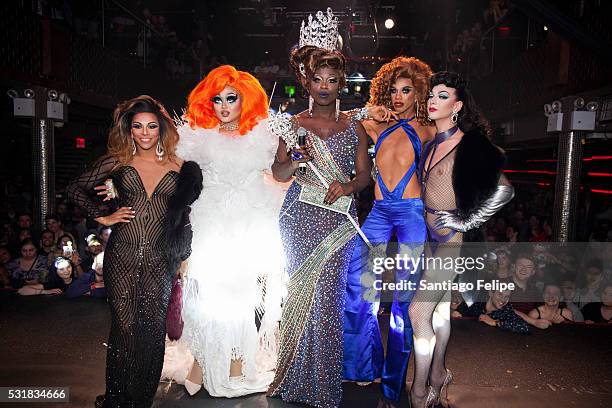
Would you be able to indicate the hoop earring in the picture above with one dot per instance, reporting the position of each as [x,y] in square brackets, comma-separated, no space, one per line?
[159,151]
[454,117]
[133,147]
[310,104]
[337,108]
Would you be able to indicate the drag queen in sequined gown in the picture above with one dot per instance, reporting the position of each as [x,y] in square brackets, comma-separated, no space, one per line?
[147,174]
[318,242]
[234,274]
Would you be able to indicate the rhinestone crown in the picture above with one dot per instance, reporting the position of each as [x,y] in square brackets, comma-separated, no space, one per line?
[321,31]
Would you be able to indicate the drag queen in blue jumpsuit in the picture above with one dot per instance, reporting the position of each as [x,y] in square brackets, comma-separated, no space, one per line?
[401,85]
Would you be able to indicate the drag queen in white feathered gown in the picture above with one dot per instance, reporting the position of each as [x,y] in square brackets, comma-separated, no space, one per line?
[235,270]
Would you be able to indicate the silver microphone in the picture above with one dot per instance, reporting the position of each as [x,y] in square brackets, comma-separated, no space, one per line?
[301,134]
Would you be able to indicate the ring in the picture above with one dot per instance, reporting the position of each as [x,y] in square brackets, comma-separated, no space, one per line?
[296,156]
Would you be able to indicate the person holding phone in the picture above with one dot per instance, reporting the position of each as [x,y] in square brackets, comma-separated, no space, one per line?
[67,248]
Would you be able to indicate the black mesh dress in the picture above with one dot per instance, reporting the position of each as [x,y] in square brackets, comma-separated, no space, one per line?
[137,280]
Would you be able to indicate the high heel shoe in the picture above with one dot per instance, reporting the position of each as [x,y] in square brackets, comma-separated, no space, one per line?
[443,396]
[430,400]
[192,388]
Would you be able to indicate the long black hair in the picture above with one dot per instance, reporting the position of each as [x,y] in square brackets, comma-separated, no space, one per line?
[470,117]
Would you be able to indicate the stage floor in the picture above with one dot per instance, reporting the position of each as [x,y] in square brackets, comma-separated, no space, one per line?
[52,341]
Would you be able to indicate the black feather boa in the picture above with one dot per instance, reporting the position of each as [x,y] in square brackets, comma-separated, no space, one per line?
[178,227]
[476,171]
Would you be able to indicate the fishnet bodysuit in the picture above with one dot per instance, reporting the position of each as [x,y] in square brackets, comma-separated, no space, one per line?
[430,309]
[137,281]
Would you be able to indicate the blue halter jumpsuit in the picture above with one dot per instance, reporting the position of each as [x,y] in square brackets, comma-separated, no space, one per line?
[363,352]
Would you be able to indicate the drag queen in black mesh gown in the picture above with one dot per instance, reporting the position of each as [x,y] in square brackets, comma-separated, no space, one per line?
[152,189]
[462,187]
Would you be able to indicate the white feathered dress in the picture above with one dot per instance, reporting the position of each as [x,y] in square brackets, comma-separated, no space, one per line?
[236,258]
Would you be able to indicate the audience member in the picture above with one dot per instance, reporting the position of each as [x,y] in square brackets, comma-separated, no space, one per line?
[92,249]
[54,224]
[456,304]
[66,248]
[600,312]
[5,276]
[23,234]
[525,294]
[24,221]
[571,298]
[61,275]
[552,310]
[105,233]
[30,268]
[498,312]
[7,235]
[90,283]
[503,263]
[594,283]
[5,255]
[47,243]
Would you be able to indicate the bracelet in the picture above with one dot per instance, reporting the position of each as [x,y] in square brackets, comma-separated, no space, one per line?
[362,114]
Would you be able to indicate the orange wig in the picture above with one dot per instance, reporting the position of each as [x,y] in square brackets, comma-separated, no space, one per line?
[200,111]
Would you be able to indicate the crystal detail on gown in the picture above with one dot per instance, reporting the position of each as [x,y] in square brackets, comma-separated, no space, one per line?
[318,246]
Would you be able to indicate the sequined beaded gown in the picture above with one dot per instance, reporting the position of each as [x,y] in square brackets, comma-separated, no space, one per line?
[318,245]
[137,281]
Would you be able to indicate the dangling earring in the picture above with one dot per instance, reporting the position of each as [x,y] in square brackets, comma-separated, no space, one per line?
[416,111]
[310,104]
[159,151]
[454,117]
[337,108]
[133,147]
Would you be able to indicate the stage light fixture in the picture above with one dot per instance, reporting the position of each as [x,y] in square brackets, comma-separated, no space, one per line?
[28,93]
[52,94]
[389,23]
[578,103]
[12,93]
[554,121]
[583,119]
[592,106]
